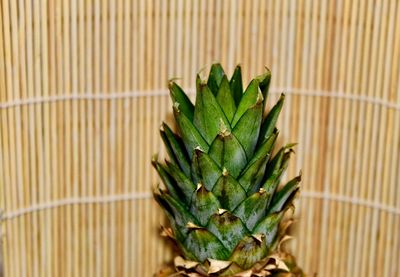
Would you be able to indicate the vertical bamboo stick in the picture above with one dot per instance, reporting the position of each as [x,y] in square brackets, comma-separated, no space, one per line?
[394,162]
[97,137]
[60,109]
[6,239]
[83,126]
[3,203]
[293,81]
[146,105]
[52,71]
[14,129]
[105,134]
[74,139]
[89,78]
[112,135]
[302,137]
[385,222]
[127,218]
[119,237]
[24,117]
[47,236]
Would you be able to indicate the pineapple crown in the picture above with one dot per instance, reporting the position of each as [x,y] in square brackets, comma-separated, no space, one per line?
[221,191]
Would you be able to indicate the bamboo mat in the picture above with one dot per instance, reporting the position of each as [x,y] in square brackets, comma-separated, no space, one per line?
[83,93]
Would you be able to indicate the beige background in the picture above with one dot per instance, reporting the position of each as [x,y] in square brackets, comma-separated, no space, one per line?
[83,92]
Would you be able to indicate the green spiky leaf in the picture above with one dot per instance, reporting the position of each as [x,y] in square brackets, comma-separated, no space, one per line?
[228,228]
[203,205]
[208,115]
[176,149]
[227,152]
[264,81]
[236,85]
[249,251]
[269,122]
[274,165]
[169,182]
[181,217]
[248,128]
[215,77]
[185,185]
[207,170]
[251,210]
[269,227]
[179,96]
[284,195]
[226,100]
[204,245]
[168,146]
[229,192]
[190,135]
[249,99]
[253,174]
[276,168]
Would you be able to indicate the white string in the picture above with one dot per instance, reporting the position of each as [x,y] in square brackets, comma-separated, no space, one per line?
[76,201]
[343,95]
[88,96]
[350,200]
[154,93]
[148,195]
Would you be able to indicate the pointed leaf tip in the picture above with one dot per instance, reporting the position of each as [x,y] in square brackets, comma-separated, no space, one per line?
[227,152]
[229,192]
[203,205]
[264,82]
[154,159]
[223,130]
[175,106]
[179,96]
[225,99]
[269,122]
[191,226]
[190,134]
[228,228]
[251,210]
[248,252]
[269,227]
[175,148]
[204,245]
[253,174]
[185,185]
[206,169]
[247,128]
[215,77]
[208,115]
[259,237]
[247,101]
[236,85]
[285,195]
[260,98]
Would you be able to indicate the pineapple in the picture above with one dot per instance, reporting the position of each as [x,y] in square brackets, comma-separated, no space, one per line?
[222,194]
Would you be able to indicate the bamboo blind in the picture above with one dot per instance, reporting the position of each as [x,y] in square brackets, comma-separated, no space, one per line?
[83,93]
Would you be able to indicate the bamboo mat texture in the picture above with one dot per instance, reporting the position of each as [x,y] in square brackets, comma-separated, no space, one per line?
[83,91]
